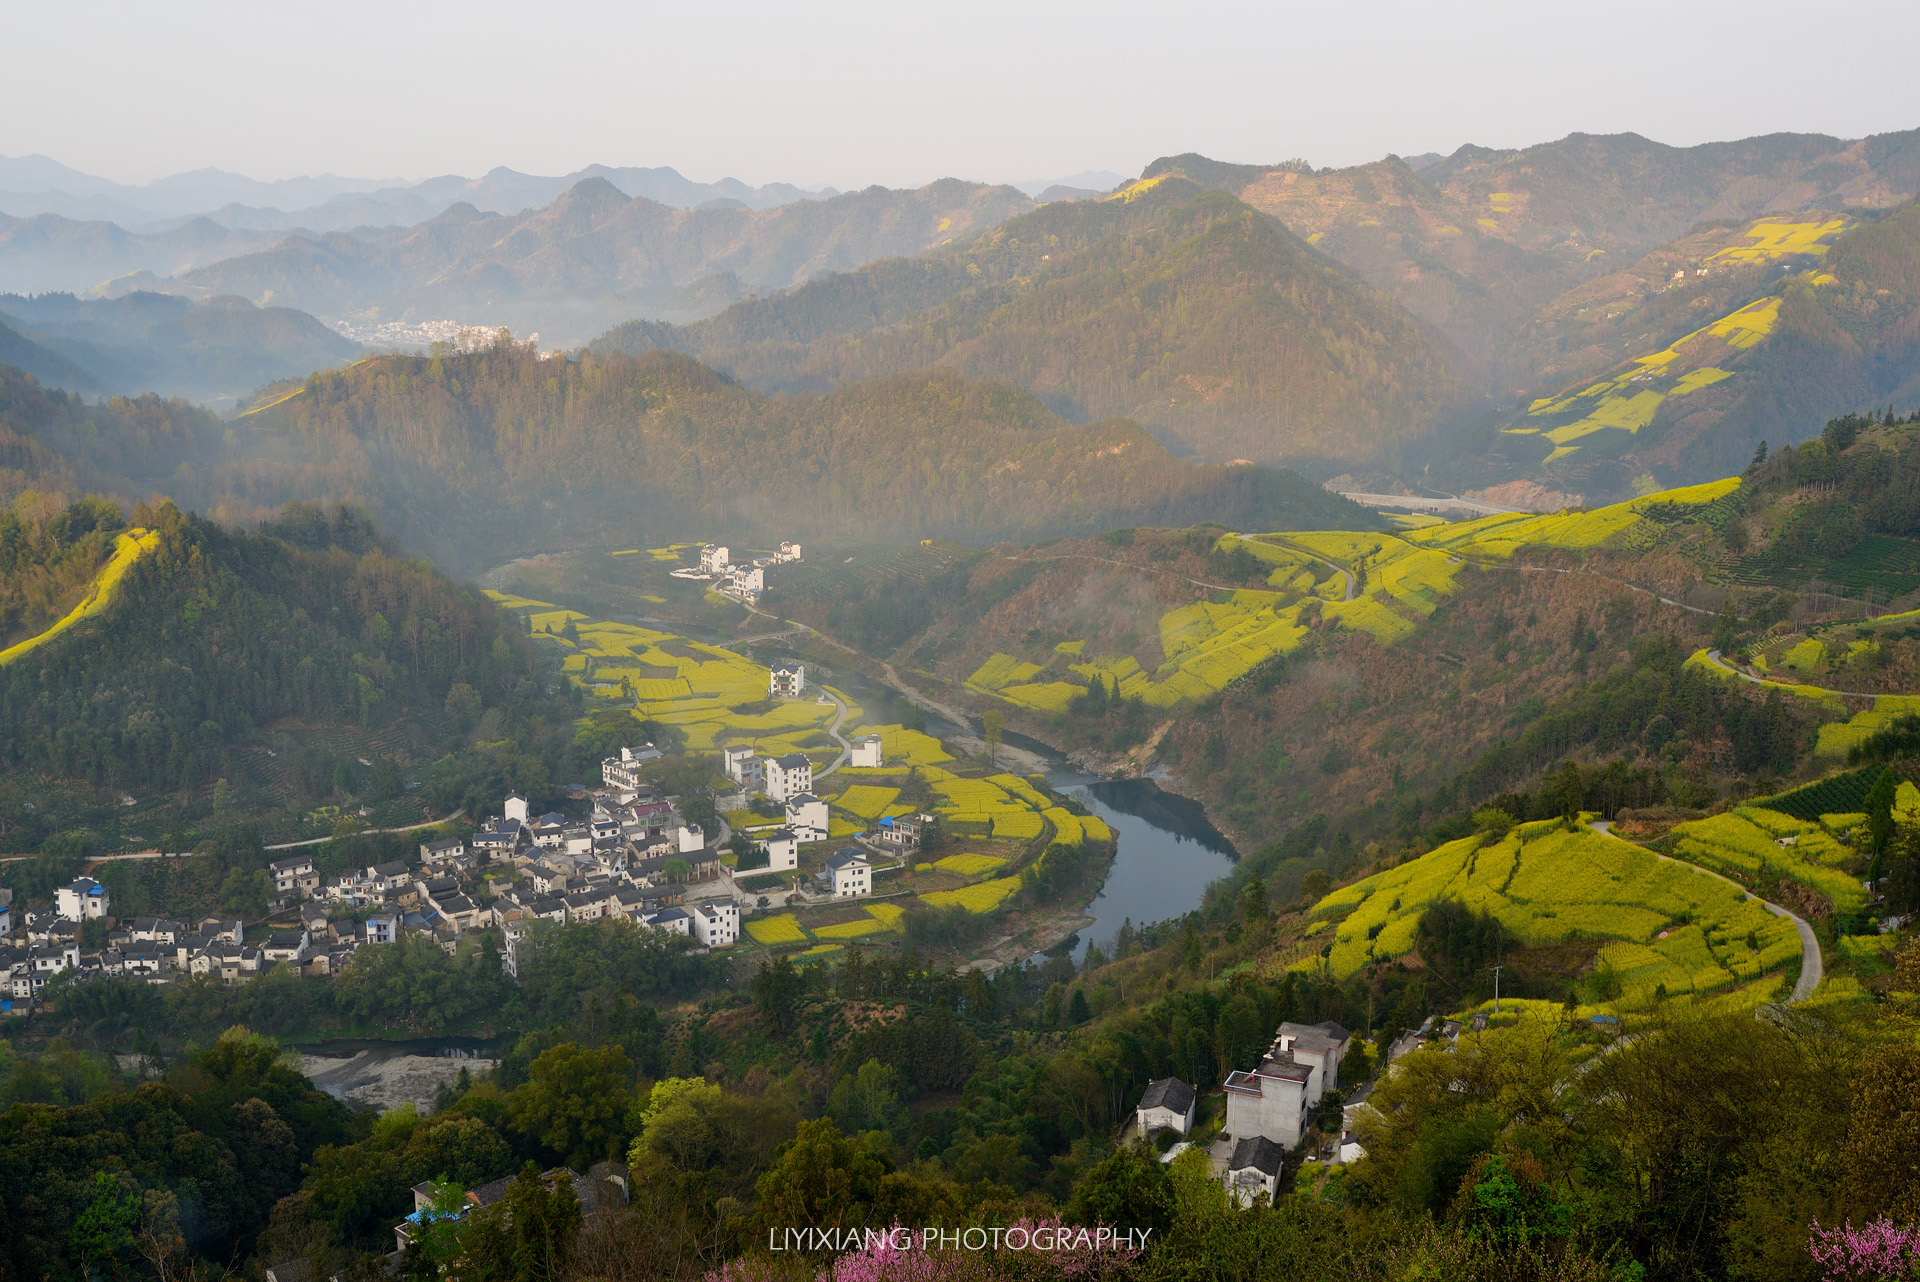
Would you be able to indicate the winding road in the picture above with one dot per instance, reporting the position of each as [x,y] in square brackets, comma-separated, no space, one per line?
[1812,968]
[1291,546]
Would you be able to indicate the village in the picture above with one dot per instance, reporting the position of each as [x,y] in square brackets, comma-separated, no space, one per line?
[634,856]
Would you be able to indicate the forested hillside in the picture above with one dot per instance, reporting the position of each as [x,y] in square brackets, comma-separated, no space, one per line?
[211,634]
[1179,308]
[481,455]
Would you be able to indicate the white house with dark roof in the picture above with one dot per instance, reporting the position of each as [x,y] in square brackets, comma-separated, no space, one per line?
[848,873]
[82,900]
[788,776]
[783,850]
[1167,1105]
[716,922]
[295,875]
[1253,1171]
[786,679]
[743,766]
[676,920]
[807,817]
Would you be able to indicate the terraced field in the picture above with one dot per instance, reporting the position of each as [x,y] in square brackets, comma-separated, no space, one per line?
[1626,400]
[1401,578]
[698,689]
[1747,840]
[1664,924]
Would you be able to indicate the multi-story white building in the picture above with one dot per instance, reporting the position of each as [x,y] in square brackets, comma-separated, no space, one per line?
[789,552]
[788,776]
[866,753]
[1271,1101]
[623,771]
[294,876]
[86,899]
[783,850]
[742,766]
[714,559]
[716,923]
[691,838]
[807,817]
[787,679]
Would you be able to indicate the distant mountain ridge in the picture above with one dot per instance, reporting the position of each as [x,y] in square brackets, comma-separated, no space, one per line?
[32,185]
[595,256]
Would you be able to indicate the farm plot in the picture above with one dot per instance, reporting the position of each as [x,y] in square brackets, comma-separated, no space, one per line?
[1747,840]
[1664,923]
[983,897]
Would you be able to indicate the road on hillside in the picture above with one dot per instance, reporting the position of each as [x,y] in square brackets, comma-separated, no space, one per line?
[1291,546]
[320,841]
[1812,969]
[1719,661]
[839,719]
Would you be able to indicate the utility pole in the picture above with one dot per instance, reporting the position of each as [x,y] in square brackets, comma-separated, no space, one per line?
[1496,987]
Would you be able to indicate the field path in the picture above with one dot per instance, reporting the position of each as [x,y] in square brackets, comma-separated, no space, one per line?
[1812,968]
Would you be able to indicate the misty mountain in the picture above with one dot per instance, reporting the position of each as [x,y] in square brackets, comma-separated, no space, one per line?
[214,352]
[1180,308]
[48,253]
[596,257]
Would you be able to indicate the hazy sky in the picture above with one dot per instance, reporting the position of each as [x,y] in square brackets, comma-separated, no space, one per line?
[899,93]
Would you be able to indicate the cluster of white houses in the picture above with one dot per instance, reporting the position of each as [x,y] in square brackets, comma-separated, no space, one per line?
[633,857]
[1268,1107]
[741,580]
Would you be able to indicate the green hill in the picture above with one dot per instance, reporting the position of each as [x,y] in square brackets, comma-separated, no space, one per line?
[195,649]
[489,455]
[1179,308]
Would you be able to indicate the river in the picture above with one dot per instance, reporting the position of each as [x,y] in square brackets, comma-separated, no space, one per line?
[1167,852]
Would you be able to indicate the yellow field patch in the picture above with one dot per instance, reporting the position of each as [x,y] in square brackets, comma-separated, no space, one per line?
[868,801]
[969,865]
[128,547]
[1773,240]
[981,898]
[888,915]
[784,928]
[851,929]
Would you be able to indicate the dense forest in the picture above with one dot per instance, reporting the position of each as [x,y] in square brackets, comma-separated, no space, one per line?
[1181,309]
[215,633]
